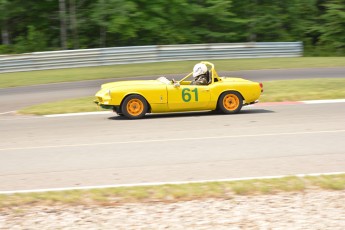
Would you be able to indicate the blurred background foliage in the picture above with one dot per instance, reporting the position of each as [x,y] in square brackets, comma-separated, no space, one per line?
[43,25]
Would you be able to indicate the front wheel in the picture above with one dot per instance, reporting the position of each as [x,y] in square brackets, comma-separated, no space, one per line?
[230,102]
[134,107]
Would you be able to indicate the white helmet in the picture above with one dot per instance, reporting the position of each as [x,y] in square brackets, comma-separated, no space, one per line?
[199,69]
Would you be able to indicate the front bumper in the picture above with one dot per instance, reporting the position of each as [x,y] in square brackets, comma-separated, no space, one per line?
[103,105]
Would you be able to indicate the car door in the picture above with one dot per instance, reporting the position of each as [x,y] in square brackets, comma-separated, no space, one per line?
[188,97]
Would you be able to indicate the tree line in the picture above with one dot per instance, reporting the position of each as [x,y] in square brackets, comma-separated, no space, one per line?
[42,25]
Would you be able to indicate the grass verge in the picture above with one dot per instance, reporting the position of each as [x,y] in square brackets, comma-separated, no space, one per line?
[284,90]
[147,69]
[75,105]
[303,89]
[173,193]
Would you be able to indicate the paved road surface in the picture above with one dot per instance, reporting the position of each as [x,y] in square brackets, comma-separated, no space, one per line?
[41,152]
[16,98]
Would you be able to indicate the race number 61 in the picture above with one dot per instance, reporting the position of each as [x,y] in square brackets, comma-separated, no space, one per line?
[187,94]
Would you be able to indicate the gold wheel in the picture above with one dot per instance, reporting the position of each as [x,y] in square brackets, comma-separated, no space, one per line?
[135,107]
[231,102]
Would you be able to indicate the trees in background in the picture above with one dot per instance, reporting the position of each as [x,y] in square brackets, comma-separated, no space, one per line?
[332,33]
[27,26]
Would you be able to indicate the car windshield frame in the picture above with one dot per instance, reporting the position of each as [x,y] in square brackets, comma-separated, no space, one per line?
[210,67]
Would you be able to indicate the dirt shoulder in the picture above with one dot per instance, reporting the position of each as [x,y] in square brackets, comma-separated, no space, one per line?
[308,209]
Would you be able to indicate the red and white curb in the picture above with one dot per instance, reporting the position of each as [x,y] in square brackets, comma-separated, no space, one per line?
[164,183]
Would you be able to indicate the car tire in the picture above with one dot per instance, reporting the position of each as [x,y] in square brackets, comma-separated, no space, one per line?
[134,107]
[230,102]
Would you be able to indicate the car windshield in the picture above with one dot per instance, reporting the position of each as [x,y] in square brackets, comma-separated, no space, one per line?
[164,80]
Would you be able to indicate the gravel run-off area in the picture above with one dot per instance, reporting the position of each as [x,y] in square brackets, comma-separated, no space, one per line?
[312,209]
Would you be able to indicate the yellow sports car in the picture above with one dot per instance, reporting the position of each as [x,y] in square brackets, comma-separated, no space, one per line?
[202,89]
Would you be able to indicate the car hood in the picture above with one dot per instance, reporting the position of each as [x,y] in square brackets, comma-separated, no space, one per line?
[130,83]
[234,79]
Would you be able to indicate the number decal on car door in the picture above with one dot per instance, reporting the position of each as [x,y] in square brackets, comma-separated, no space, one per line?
[187,96]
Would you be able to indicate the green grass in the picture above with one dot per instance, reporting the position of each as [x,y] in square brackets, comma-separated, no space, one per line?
[173,193]
[66,106]
[285,90]
[303,89]
[103,72]
[328,182]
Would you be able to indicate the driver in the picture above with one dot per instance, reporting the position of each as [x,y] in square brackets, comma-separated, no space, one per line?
[200,75]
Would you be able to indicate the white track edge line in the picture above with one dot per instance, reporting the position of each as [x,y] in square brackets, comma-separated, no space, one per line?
[7,112]
[163,183]
[78,114]
[109,112]
[323,101]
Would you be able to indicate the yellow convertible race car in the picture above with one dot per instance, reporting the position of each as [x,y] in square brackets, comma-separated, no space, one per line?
[133,99]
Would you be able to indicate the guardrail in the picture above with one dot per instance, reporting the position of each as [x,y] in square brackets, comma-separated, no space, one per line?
[144,54]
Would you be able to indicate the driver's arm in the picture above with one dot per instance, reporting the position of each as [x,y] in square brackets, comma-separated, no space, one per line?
[200,81]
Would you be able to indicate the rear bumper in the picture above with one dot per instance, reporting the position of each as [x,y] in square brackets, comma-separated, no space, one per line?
[251,103]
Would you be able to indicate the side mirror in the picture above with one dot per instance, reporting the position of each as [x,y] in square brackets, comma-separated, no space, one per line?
[176,84]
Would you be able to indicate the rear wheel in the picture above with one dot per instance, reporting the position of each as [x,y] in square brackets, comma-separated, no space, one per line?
[230,102]
[134,107]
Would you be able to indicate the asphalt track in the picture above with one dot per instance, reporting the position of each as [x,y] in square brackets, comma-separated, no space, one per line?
[16,98]
[51,152]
